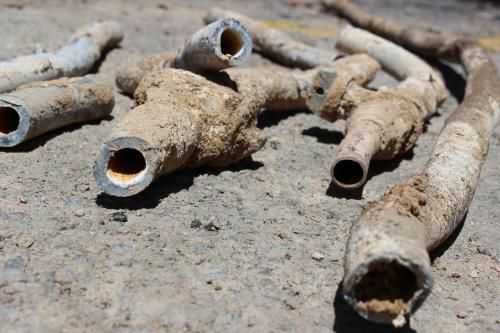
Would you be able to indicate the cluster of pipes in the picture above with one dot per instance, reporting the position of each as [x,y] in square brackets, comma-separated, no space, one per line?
[197,106]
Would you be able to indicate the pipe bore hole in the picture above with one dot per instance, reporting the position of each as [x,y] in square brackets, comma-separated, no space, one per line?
[386,288]
[231,42]
[348,172]
[125,165]
[9,120]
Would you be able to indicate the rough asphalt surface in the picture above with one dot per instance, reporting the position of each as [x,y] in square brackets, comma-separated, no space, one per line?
[257,247]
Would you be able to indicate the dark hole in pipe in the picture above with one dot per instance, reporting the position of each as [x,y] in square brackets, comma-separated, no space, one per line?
[230,42]
[386,287]
[320,91]
[126,164]
[348,172]
[9,120]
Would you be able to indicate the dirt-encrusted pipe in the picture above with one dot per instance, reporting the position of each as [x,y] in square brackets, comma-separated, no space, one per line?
[219,45]
[176,123]
[387,266]
[275,44]
[39,107]
[282,89]
[181,120]
[380,125]
[75,59]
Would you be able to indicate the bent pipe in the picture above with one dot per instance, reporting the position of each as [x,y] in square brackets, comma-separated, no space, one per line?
[380,125]
[36,108]
[181,120]
[275,44]
[221,44]
[75,59]
[420,213]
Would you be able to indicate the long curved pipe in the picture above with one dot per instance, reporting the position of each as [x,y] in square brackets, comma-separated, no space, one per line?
[75,59]
[387,267]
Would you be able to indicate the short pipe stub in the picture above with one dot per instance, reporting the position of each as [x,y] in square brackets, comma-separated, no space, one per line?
[122,169]
[14,121]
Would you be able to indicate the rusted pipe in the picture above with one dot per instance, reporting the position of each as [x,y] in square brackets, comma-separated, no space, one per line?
[221,44]
[39,107]
[387,266]
[76,58]
[275,44]
[380,125]
[181,120]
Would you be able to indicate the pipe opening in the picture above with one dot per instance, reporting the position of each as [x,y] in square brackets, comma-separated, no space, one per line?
[348,172]
[125,165]
[386,288]
[320,90]
[9,120]
[231,42]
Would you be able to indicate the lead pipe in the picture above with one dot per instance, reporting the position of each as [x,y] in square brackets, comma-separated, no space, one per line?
[39,107]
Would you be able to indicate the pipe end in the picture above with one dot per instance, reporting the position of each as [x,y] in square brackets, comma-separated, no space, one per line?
[234,43]
[122,169]
[349,173]
[14,121]
[325,94]
[387,290]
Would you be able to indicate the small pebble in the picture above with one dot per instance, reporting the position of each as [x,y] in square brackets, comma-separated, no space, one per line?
[23,200]
[119,217]
[196,223]
[474,274]
[211,227]
[80,213]
[317,256]
[462,314]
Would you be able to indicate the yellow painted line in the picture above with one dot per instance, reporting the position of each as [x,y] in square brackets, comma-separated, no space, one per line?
[492,43]
[292,26]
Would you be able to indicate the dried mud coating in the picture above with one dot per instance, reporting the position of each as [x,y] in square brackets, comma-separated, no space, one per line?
[281,89]
[44,106]
[428,207]
[180,120]
[74,59]
[135,69]
[380,125]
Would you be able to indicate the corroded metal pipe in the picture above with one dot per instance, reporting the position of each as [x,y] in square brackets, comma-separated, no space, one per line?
[181,120]
[387,267]
[176,122]
[380,125]
[39,107]
[76,58]
[275,44]
[221,44]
